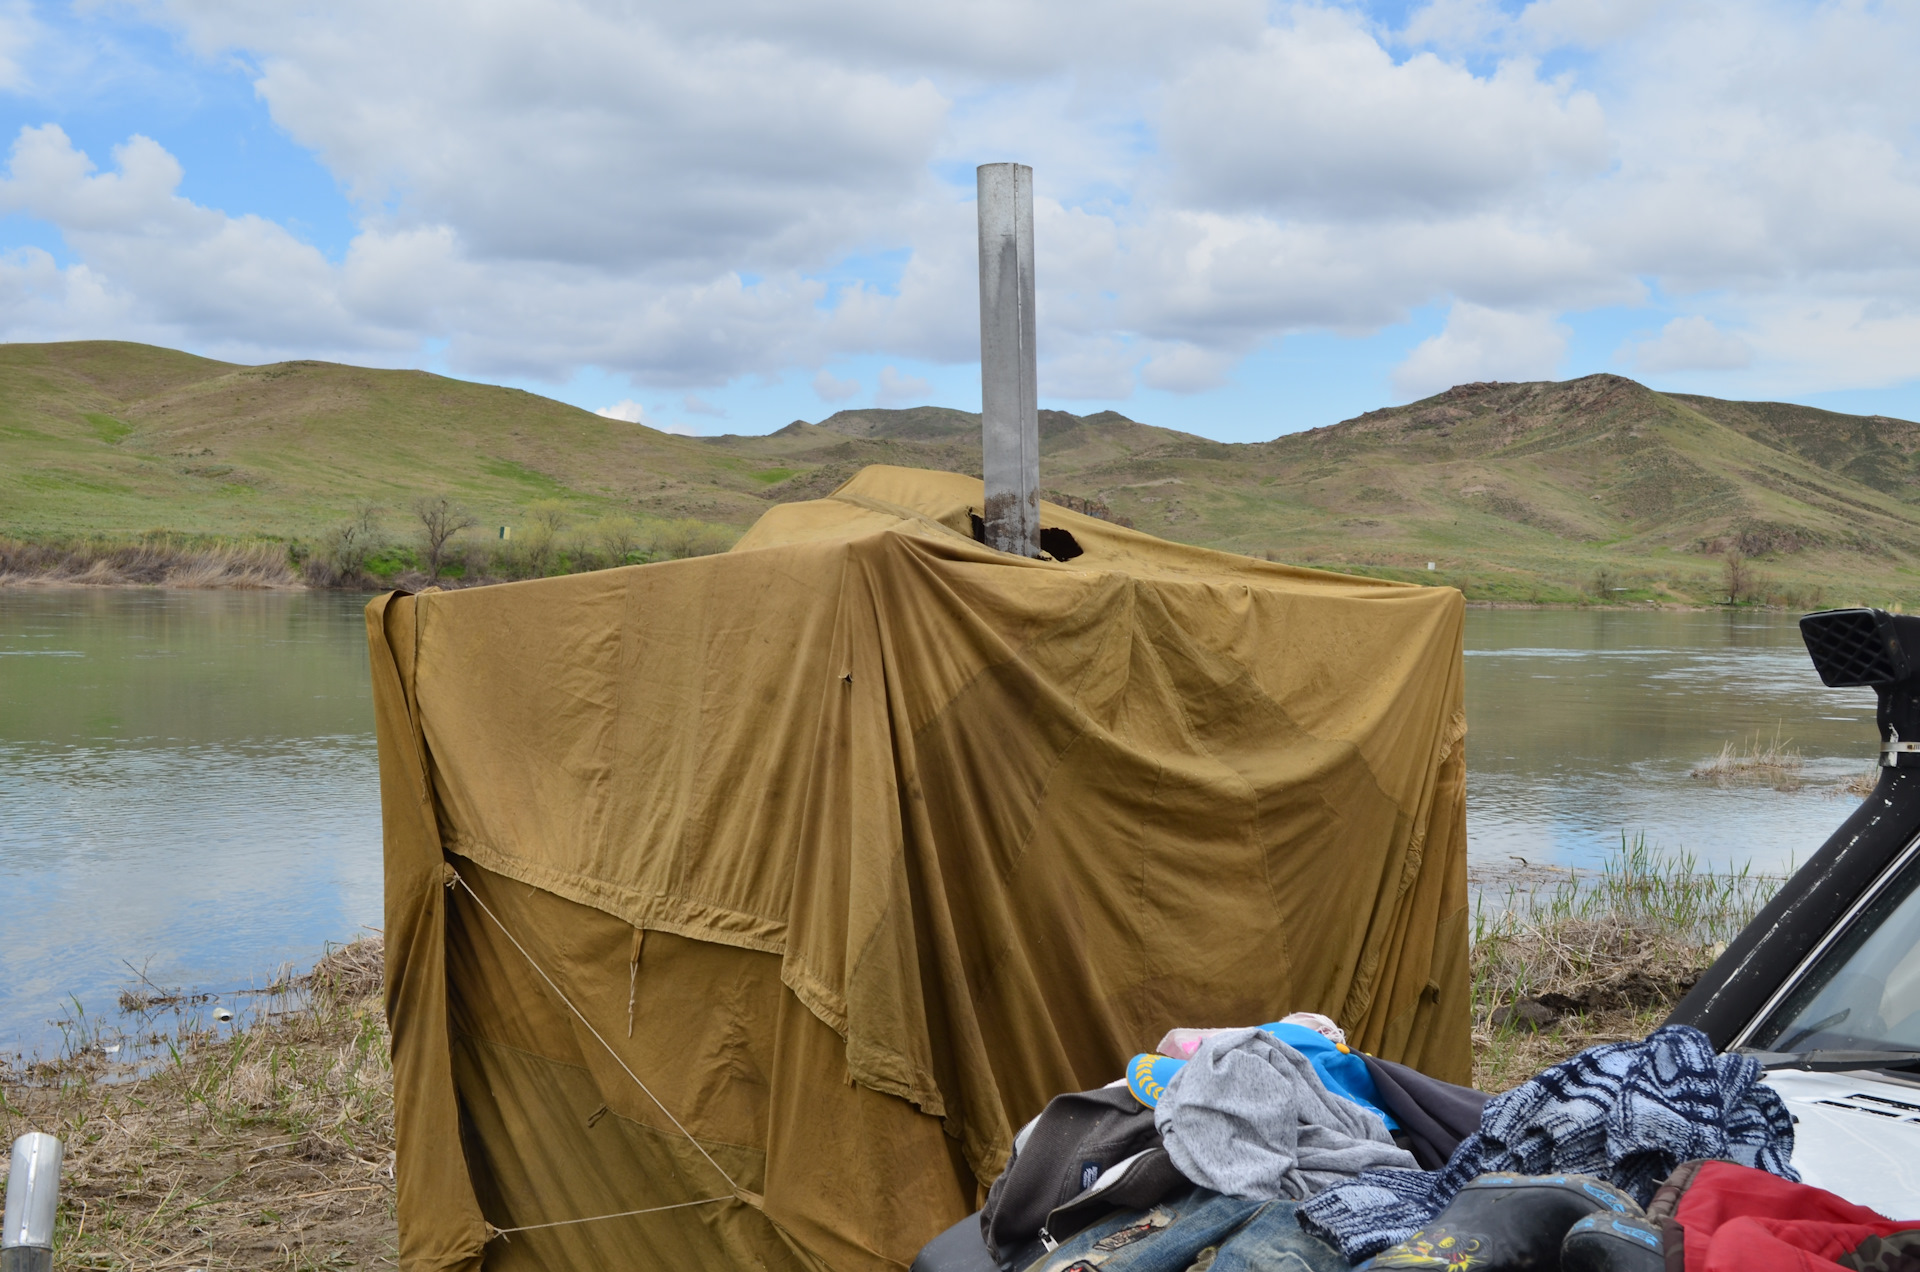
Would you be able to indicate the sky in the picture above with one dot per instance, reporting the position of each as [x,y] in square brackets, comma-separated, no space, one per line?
[1250,218]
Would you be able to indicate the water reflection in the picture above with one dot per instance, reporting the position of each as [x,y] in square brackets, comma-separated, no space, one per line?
[1585,725]
[187,784]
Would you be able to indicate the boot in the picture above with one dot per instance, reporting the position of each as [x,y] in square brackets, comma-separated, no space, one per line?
[1506,1223]
[1613,1243]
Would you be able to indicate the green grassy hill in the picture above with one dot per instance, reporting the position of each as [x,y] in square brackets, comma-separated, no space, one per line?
[110,438]
[1542,491]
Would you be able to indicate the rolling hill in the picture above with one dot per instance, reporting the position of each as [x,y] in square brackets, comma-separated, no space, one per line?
[1528,491]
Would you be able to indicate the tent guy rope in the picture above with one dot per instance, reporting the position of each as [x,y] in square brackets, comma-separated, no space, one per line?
[454,877]
[493,1232]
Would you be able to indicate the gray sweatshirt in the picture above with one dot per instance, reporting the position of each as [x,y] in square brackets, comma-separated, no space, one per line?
[1248,1117]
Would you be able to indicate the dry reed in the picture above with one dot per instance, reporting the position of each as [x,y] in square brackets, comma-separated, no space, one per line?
[1772,763]
[1860,785]
[154,561]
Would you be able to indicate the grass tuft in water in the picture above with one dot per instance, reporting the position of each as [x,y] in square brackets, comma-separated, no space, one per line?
[1861,785]
[1774,763]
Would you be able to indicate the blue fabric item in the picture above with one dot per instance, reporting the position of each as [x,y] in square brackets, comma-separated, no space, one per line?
[1627,1112]
[1341,1070]
[1245,1235]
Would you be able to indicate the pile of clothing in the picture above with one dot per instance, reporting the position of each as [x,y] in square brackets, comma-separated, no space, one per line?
[1279,1146]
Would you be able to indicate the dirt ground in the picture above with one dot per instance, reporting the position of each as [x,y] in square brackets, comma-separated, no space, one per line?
[1542,995]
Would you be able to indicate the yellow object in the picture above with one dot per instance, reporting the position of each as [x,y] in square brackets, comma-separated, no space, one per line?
[921,835]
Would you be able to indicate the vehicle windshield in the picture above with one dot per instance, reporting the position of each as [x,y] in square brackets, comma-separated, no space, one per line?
[1864,993]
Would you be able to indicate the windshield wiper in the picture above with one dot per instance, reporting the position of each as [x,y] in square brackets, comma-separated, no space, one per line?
[1818,1026]
[1834,1059]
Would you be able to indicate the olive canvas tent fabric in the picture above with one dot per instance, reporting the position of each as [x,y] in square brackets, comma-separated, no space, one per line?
[789,882]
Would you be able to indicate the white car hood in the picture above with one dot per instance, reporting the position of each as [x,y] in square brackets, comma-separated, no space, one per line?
[1856,1134]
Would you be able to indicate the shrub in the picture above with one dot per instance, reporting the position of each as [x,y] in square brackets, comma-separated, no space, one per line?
[675,540]
[440,519]
[618,537]
[340,558]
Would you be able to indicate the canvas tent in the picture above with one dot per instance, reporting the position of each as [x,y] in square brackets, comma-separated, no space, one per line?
[790,882]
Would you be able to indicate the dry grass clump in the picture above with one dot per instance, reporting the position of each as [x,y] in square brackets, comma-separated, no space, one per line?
[1772,763]
[154,561]
[269,1146]
[1861,784]
[1596,956]
[350,973]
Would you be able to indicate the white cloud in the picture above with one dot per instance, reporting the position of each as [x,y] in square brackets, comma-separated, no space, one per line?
[1317,116]
[659,190]
[694,404]
[559,131]
[1803,346]
[1691,344]
[830,389]
[1583,23]
[41,301]
[1472,26]
[1186,368]
[1454,25]
[245,280]
[1482,344]
[1087,367]
[17,34]
[625,409]
[1224,282]
[983,39]
[897,389]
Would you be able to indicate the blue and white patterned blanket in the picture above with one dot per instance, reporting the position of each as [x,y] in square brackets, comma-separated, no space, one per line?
[1628,1112]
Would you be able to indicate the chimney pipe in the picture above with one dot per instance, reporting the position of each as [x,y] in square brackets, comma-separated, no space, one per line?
[1009,397]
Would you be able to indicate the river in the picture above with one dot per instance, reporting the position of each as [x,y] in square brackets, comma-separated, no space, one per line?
[188,788]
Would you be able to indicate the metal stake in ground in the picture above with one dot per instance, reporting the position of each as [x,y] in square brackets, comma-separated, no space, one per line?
[33,1198]
[1009,399]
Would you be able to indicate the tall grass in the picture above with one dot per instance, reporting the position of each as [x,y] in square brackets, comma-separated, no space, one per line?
[365,554]
[1642,895]
[1602,954]
[157,560]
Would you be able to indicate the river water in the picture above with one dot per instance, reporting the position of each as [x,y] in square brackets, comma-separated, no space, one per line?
[188,785]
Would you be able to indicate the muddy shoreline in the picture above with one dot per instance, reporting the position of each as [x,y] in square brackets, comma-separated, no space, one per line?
[268,1145]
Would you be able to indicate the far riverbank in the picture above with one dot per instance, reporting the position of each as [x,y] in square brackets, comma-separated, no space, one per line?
[354,557]
[196,563]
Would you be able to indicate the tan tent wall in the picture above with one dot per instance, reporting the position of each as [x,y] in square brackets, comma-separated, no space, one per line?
[887,838]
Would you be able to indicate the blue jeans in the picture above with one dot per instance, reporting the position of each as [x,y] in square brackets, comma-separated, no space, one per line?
[1200,1231]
